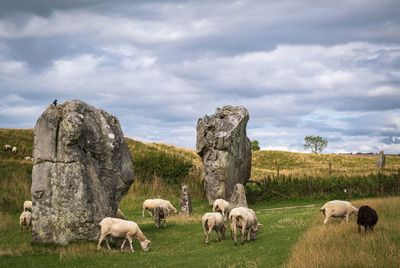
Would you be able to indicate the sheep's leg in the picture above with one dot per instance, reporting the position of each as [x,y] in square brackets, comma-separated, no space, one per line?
[327,216]
[347,218]
[100,240]
[223,232]
[143,212]
[208,234]
[243,234]
[248,234]
[108,245]
[234,234]
[130,243]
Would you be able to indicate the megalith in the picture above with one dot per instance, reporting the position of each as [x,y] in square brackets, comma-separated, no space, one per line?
[224,147]
[82,168]
[186,201]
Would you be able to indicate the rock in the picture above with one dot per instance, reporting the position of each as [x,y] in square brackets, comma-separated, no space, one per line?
[186,201]
[223,145]
[238,198]
[82,168]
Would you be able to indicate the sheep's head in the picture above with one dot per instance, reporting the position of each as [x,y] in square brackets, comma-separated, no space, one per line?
[145,244]
[355,210]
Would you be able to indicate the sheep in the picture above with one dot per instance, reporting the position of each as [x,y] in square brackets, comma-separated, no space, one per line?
[213,221]
[14,150]
[366,217]
[222,206]
[120,215]
[150,204]
[160,213]
[25,220]
[122,229]
[246,219]
[27,158]
[27,206]
[338,209]
[7,147]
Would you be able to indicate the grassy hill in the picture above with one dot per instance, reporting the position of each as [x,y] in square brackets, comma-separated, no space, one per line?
[302,165]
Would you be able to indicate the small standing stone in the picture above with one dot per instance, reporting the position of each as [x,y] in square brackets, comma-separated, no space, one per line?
[238,198]
[381,161]
[186,201]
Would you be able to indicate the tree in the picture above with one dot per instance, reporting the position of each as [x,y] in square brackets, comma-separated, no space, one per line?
[255,146]
[315,143]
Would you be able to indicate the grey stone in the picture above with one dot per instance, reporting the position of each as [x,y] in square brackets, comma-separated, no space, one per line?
[223,145]
[238,198]
[186,201]
[82,168]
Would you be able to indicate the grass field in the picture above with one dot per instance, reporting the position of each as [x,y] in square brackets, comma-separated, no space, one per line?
[293,237]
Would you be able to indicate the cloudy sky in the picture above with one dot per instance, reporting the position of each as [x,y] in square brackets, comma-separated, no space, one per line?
[327,68]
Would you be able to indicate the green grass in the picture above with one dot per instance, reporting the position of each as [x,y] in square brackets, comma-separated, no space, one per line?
[180,243]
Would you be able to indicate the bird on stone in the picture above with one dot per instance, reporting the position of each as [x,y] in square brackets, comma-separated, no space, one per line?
[55,102]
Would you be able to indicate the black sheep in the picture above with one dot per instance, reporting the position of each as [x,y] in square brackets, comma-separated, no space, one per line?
[366,217]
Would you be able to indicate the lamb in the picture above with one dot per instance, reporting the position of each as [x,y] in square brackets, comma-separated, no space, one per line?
[213,221]
[338,209]
[27,206]
[150,205]
[122,229]
[120,215]
[160,214]
[25,220]
[246,219]
[7,147]
[366,217]
[221,205]
[14,150]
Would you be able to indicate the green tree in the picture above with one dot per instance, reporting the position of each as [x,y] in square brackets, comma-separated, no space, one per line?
[315,143]
[255,146]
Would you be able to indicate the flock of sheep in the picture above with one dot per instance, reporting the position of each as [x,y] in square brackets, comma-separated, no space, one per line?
[14,150]
[239,217]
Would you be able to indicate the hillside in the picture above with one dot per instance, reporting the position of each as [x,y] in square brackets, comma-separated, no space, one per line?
[318,165]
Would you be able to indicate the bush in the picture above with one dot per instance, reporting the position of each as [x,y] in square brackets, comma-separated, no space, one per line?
[287,187]
[171,168]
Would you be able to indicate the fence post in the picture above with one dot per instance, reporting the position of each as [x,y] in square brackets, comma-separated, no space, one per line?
[330,168]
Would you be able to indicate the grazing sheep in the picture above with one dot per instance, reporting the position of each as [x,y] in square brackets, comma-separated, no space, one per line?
[122,229]
[246,219]
[25,220]
[213,221]
[120,215]
[27,206]
[366,217]
[14,150]
[160,214]
[150,204]
[222,206]
[338,209]
[7,147]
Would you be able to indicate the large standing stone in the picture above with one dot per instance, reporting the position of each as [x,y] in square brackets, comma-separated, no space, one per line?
[223,145]
[82,168]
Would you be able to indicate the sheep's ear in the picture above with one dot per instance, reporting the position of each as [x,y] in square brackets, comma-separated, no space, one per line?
[260,225]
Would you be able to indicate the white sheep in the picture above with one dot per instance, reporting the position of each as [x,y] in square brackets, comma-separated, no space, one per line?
[245,219]
[150,205]
[222,206]
[120,215]
[160,213]
[338,209]
[14,150]
[25,220]
[27,206]
[27,158]
[122,229]
[7,147]
[213,221]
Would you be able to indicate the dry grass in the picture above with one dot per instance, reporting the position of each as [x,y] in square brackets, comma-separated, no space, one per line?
[340,245]
[300,165]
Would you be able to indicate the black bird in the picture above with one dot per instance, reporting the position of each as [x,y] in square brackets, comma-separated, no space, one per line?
[55,102]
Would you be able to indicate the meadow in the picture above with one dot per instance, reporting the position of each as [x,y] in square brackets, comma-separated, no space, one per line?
[292,235]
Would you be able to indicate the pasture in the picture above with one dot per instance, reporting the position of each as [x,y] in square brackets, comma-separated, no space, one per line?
[292,234]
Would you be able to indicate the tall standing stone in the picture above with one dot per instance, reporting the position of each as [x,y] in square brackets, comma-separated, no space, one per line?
[223,145]
[82,168]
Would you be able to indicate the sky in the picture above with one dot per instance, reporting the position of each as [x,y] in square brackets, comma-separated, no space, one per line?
[326,68]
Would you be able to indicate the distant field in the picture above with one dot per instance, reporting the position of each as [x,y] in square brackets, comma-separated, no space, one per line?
[318,165]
